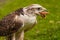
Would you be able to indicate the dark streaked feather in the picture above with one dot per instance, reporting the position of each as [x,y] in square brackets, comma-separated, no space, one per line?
[19,11]
[8,25]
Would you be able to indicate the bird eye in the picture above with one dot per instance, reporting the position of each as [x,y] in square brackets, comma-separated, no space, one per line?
[38,8]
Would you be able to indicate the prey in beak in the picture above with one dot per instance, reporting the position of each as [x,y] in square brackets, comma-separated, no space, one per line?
[43,13]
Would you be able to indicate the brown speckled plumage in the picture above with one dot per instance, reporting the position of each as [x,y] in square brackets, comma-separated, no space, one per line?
[8,25]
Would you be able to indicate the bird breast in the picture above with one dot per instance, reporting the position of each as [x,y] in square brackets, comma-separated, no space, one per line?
[28,20]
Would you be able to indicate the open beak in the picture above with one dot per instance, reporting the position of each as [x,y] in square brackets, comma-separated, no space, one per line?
[43,14]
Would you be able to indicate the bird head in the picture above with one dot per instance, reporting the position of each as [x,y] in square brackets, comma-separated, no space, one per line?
[36,9]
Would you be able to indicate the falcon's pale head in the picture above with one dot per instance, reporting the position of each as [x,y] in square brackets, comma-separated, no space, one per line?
[36,9]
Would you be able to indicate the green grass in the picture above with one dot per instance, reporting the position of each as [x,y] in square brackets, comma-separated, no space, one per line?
[46,29]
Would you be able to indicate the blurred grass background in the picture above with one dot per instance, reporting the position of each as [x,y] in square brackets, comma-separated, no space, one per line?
[46,29]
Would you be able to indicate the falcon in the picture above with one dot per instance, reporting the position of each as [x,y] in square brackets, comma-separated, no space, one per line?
[16,23]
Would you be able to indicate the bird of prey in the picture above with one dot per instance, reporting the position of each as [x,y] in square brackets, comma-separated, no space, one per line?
[16,23]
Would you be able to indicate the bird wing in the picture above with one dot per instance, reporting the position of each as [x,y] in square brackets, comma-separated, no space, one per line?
[8,25]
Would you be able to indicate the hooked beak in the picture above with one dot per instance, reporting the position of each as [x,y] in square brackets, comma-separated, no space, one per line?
[43,14]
